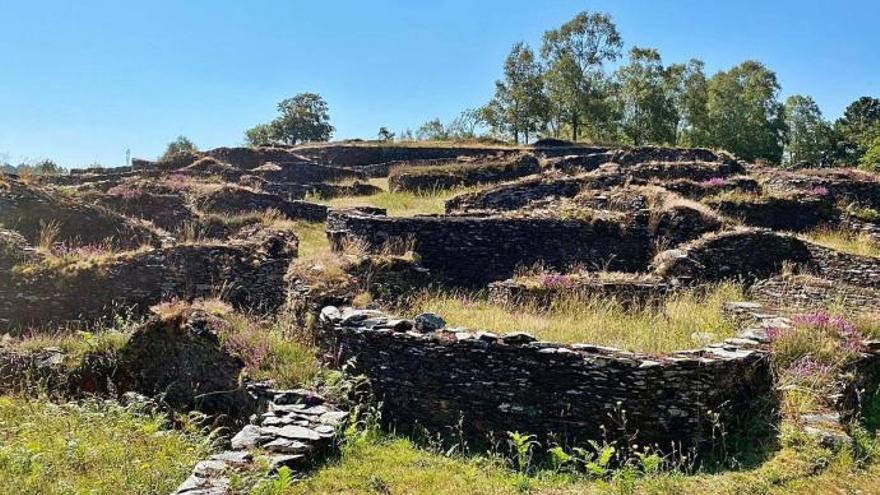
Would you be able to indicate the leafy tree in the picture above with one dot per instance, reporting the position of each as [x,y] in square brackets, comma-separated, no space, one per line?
[860,124]
[179,145]
[304,118]
[576,83]
[871,159]
[432,130]
[465,125]
[260,135]
[744,114]
[385,135]
[519,106]
[688,89]
[648,113]
[810,137]
[46,167]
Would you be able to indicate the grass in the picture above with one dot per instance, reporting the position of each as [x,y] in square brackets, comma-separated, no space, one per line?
[389,465]
[857,243]
[272,349]
[682,321]
[93,447]
[399,204]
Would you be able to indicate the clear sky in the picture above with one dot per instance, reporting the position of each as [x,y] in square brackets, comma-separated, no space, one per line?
[82,81]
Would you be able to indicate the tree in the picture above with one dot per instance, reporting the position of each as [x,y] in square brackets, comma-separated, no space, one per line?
[871,159]
[860,124]
[648,113]
[519,107]
[688,89]
[432,130]
[744,114]
[574,55]
[385,135]
[465,125]
[810,137]
[260,135]
[181,144]
[304,118]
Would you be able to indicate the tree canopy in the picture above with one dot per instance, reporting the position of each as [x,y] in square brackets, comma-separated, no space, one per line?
[303,118]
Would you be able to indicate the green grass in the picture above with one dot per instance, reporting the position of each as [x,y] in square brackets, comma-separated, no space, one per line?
[846,241]
[94,447]
[397,466]
[682,321]
[399,204]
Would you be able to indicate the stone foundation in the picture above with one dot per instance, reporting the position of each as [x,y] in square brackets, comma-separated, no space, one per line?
[472,251]
[491,385]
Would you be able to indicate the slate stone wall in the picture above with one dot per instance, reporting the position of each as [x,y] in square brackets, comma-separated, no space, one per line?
[249,276]
[235,200]
[428,179]
[753,254]
[793,214]
[472,251]
[491,385]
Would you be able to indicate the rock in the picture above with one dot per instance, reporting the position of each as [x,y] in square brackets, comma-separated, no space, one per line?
[429,322]
[233,458]
[351,317]
[330,314]
[182,360]
[288,446]
[249,437]
[518,338]
[292,432]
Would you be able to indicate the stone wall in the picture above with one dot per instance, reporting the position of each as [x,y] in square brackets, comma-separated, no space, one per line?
[447,177]
[753,254]
[250,158]
[838,184]
[491,385]
[356,155]
[627,289]
[305,172]
[472,251]
[238,200]
[29,210]
[248,275]
[793,214]
[516,194]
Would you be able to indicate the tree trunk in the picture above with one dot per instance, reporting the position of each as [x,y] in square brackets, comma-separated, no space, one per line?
[574,127]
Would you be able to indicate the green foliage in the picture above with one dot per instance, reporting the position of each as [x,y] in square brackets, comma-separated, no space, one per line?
[744,114]
[93,447]
[860,125]
[577,87]
[519,107]
[810,137]
[385,135]
[871,159]
[432,130]
[180,145]
[275,486]
[647,108]
[522,448]
[259,135]
[303,118]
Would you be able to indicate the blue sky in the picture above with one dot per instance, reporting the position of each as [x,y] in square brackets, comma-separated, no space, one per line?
[82,81]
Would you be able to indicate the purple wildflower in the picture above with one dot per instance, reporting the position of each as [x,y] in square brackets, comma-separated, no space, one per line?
[556,281]
[714,182]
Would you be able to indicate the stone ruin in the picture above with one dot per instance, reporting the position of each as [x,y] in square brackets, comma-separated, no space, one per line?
[633,224]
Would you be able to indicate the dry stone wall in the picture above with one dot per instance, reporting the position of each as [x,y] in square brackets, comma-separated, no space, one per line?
[250,276]
[490,385]
[472,251]
[429,179]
